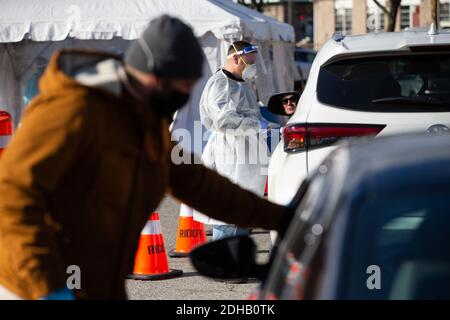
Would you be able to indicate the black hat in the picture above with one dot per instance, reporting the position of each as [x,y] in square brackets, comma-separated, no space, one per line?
[276,106]
[167,48]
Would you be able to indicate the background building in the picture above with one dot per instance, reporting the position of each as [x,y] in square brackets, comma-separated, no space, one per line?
[298,13]
[362,16]
[315,21]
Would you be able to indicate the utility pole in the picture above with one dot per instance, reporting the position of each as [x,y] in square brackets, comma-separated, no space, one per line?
[435,12]
[390,10]
[429,13]
[289,11]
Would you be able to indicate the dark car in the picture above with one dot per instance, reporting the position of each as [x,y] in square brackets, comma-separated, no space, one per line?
[373,222]
[303,61]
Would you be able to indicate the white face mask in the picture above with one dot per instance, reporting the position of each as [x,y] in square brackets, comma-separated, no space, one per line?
[249,72]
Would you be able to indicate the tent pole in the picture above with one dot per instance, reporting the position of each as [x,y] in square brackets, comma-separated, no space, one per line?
[15,94]
[290,5]
[9,51]
[37,56]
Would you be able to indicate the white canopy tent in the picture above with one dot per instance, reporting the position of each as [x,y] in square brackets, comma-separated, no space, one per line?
[30,31]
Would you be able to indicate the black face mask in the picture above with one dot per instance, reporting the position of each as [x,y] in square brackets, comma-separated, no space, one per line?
[168,101]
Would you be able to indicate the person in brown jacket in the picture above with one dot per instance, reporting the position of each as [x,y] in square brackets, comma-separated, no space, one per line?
[91,160]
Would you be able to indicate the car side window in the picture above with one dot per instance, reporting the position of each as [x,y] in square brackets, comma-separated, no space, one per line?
[304,56]
[299,57]
[289,272]
[405,238]
[310,57]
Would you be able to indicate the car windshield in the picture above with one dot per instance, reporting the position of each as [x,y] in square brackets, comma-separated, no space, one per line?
[407,83]
[401,241]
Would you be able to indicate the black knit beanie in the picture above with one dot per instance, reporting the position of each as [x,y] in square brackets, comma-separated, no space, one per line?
[167,48]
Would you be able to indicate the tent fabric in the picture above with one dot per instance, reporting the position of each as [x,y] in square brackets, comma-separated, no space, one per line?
[57,20]
[9,89]
[18,66]
[36,29]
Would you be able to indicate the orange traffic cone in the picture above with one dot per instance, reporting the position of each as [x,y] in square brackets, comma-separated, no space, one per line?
[190,233]
[151,260]
[6,129]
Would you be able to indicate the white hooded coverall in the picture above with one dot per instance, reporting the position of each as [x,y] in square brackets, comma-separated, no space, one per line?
[236,148]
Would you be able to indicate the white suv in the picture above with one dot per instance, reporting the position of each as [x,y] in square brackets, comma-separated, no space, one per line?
[375,84]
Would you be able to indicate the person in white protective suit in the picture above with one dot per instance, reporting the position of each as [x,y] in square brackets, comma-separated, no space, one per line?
[237,147]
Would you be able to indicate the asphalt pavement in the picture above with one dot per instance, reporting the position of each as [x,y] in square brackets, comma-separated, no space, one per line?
[191,285]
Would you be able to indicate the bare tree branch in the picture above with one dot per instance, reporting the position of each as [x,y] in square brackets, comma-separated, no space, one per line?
[257,5]
[382,7]
[390,14]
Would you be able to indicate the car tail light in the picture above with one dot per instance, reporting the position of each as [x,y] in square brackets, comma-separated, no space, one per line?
[294,137]
[300,137]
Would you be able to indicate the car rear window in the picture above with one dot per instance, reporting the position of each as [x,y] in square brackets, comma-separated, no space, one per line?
[406,238]
[412,83]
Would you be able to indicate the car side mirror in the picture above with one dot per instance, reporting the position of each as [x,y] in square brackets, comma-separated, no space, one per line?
[229,258]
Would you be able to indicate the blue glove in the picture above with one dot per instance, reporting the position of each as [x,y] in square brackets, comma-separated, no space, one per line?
[265,124]
[61,294]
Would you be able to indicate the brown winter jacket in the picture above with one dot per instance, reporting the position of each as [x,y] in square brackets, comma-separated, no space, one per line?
[80,177]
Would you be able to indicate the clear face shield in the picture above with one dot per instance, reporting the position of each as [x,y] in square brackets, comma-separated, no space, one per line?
[253,60]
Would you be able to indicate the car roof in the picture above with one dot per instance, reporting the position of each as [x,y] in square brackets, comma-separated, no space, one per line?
[406,162]
[381,42]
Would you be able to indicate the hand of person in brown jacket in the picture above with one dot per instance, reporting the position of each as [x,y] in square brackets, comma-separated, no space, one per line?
[216,196]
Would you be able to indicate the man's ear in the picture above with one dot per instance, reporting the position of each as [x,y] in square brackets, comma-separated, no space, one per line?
[236,59]
[154,81]
[146,79]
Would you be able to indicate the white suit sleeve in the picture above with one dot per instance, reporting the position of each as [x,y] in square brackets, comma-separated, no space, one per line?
[224,106]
